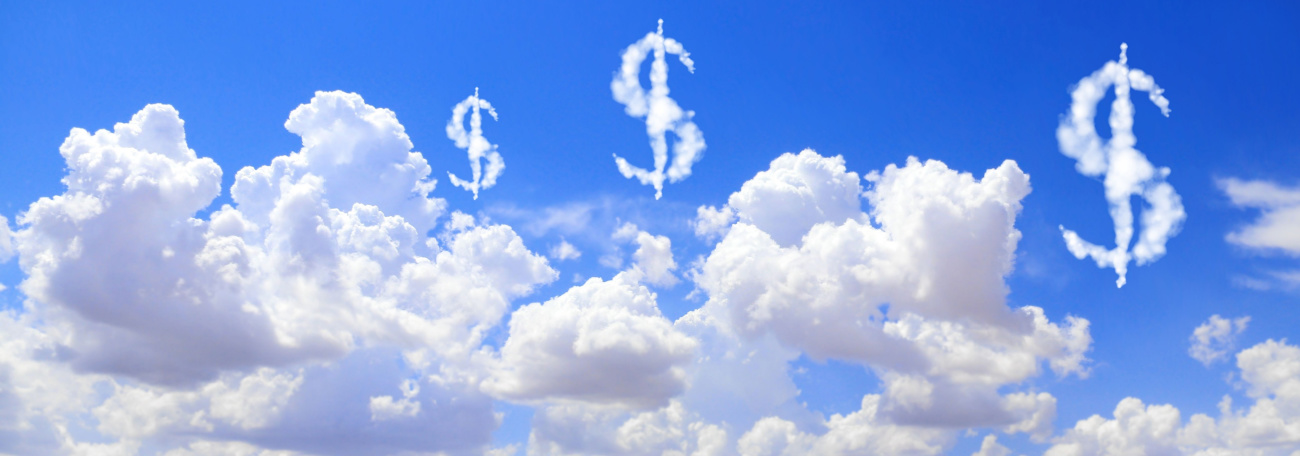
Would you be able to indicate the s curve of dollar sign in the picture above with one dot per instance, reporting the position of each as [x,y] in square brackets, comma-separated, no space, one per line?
[1127,172]
[473,141]
[661,113]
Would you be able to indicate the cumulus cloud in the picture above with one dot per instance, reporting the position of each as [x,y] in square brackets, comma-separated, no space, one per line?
[475,144]
[218,324]
[1270,372]
[865,431]
[579,429]
[912,289]
[661,113]
[565,251]
[601,342]
[384,408]
[990,447]
[1127,171]
[1212,340]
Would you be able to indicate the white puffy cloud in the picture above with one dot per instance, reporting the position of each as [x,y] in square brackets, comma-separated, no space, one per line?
[1136,429]
[1127,171]
[795,193]
[1212,340]
[475,144]
[565,251]
[919,297]
[653,258]
[865,431]
[601,342]
[386,408]
[990,447]
[1270,372]
[577,429]
[661,113]
[234,326]
[712,222]
[1275,228]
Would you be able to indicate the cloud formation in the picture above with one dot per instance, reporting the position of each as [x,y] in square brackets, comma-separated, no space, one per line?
[1212,340]
[251,324]
[661,113]
[1269,426]
[602,343]
[1127,171]
[475,144]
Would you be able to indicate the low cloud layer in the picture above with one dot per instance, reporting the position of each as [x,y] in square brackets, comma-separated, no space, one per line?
[1126,172]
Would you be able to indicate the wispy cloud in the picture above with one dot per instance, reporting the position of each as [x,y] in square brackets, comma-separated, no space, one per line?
[1127,172]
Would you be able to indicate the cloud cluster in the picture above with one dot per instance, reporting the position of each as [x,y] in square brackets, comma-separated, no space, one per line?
[1127,171]
[661,113]
[1269,426]
[243,324]
[601,343]
[913,289]
[475,144]
[1212,340]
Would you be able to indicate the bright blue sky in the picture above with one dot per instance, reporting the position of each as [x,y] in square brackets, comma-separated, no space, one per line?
[969,85]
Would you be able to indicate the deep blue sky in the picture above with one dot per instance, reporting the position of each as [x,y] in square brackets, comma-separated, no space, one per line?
[967,84]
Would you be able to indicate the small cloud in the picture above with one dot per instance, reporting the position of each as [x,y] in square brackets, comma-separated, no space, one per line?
[1127,171]
[565,251]
[1275,229]
[1212,340]
[475,144]
[661,113]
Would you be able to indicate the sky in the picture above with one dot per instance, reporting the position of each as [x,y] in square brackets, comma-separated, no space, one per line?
[516,228]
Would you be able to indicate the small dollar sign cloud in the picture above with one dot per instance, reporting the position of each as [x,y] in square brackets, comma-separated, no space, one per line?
[661,113]
[473,141]
[1127,171]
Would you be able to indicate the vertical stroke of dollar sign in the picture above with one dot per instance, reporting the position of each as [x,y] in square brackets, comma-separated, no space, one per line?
[661,113]
[1127,171]
[473,141]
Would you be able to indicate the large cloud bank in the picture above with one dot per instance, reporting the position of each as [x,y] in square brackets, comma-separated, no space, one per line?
[337,306]
[661,112]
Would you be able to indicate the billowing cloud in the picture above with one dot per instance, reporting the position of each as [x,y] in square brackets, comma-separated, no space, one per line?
[475,144]
[167,325]
[865,431]
[1127,171]
[661,113]
[601,342]
[912,289]
[1270,372]
[1214,339]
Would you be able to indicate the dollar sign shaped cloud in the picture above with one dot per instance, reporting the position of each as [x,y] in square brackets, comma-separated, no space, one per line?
[661,113]
[1127,171]
[473,141]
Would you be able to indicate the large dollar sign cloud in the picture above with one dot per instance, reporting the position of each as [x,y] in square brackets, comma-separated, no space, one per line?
[1127,172]
[478,147]
[661,113]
